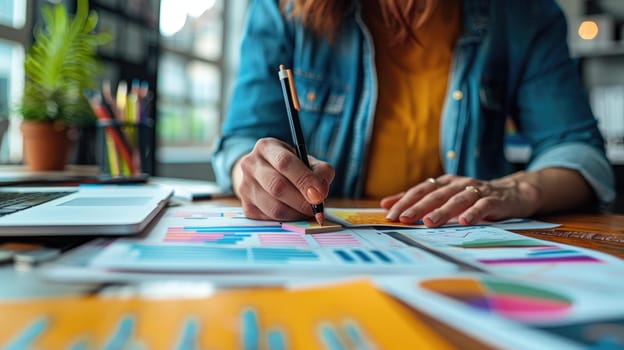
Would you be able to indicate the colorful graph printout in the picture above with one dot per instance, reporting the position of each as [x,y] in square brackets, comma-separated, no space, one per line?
[512,300]
[130,255]
[220,235]
[266,236]
[475,237]
[333,317]
[530,256]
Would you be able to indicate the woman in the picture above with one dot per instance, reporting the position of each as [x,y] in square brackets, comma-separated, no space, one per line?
[406,100]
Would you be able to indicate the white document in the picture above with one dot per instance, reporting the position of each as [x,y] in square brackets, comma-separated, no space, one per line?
[134,256]
[507,253]
[517,313]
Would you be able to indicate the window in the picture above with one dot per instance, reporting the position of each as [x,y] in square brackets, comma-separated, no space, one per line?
[13,13]
[195,69]
[11,86]
[14,37]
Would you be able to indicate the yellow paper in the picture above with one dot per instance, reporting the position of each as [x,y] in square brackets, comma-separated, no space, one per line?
[299,319]
[365,217]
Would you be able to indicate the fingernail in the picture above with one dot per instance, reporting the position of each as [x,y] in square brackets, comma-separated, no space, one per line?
[406,215]
[392,215]
[467,218]
[434,217]
[314,196]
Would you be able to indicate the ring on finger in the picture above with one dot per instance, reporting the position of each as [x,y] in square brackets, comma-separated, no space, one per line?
[433,181]
[473,189]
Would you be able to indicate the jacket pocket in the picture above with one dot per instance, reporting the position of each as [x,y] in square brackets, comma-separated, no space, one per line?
[322,108]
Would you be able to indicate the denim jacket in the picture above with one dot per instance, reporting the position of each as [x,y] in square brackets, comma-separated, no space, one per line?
[511,59]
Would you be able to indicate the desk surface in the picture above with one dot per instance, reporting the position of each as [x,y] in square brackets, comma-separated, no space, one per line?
[600,232]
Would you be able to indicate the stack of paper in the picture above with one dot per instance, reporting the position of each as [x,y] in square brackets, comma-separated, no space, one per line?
[506,289]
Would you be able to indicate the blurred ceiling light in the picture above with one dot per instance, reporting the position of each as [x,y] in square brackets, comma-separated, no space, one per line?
[172,17]
[588,30]
[197,8]
[173,13]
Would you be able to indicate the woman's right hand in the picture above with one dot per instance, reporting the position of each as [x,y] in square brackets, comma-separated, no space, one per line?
[274,184]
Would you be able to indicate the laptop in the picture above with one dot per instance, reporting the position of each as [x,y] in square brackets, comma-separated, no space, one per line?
[83,210]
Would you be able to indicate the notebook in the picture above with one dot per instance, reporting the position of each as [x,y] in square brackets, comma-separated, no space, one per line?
[83,210]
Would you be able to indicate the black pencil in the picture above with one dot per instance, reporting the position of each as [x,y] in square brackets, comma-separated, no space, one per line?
[292,107]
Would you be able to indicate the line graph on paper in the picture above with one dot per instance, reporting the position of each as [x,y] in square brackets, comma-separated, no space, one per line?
[475,237]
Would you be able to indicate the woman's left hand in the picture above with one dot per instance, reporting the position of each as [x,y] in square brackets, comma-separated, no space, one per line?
[436,201]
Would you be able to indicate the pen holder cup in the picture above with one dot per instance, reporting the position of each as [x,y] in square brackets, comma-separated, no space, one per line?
[123,148]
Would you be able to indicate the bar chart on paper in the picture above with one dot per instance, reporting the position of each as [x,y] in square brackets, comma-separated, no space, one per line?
[266,236]
[232,235]
[329,317]
[130,255]
[229,227]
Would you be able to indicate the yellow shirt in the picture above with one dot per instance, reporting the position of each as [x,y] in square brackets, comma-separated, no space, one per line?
[412,80]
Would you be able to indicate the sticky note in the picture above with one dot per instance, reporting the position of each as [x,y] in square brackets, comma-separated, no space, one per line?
[311,226]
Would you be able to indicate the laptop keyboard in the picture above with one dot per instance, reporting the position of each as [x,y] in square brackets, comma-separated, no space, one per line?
[11,202]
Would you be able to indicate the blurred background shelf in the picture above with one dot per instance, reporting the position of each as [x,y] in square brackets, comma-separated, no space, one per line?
[188,57]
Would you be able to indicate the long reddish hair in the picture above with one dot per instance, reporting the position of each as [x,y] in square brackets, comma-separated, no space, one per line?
[324,16]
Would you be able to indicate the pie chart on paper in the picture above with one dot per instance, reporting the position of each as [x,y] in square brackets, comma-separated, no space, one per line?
[511,300]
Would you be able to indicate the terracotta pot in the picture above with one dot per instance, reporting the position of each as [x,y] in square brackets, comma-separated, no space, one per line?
[47,145]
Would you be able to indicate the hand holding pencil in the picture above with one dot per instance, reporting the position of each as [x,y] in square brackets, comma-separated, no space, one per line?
[277,181]
[274,184]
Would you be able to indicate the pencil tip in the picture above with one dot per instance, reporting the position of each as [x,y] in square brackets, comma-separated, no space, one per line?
[320,218]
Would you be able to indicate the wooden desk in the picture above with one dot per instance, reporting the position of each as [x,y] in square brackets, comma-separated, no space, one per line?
[603,232]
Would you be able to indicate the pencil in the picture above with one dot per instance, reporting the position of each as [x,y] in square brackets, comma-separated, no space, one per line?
[292,108]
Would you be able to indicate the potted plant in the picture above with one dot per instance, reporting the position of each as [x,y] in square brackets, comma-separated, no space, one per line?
[59,67]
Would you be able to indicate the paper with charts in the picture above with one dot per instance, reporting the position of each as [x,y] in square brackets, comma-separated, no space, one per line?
[504,252]
[133,256]
[228,227]
[329,317]
[214,240]
[519,313]
[235,242]
[211,239]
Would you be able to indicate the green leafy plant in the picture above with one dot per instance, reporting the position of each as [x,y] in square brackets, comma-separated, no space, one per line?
[61,65]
